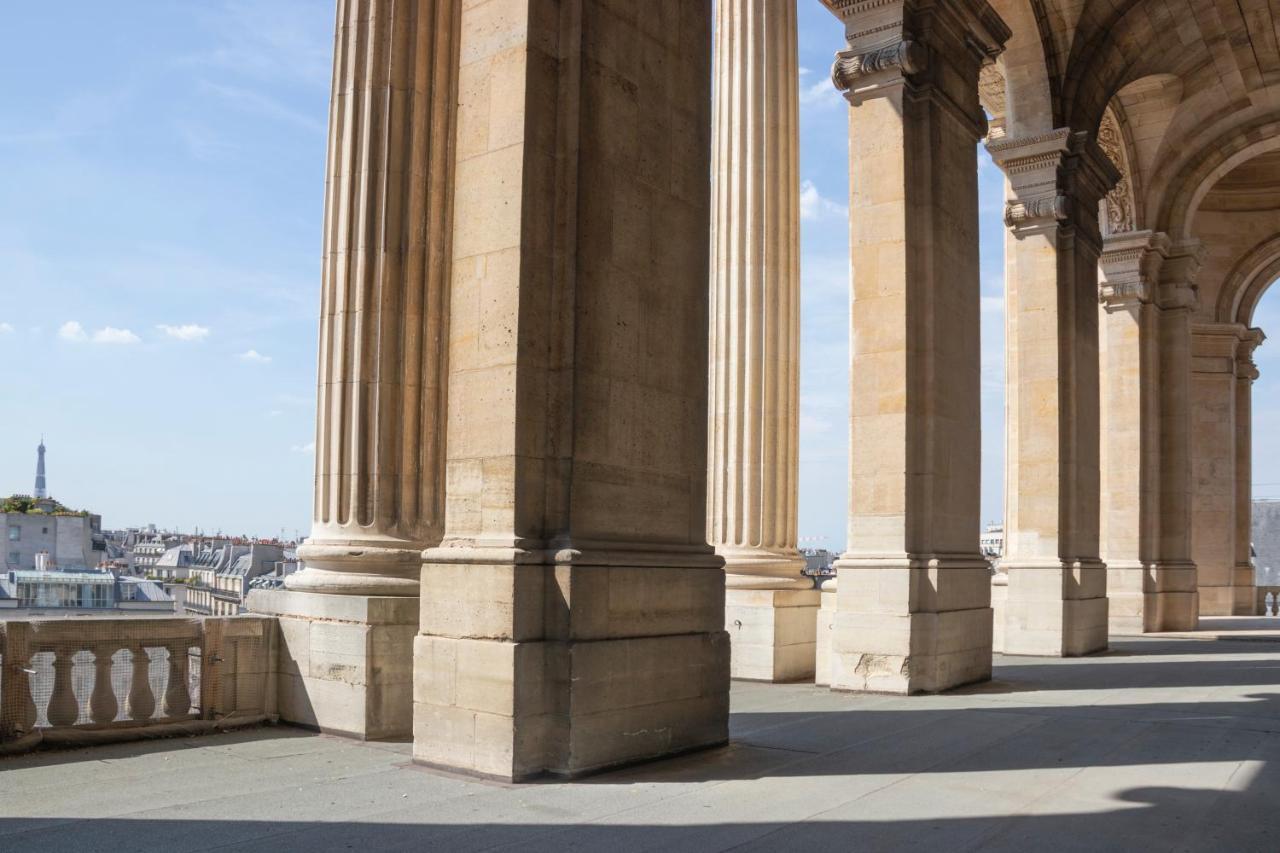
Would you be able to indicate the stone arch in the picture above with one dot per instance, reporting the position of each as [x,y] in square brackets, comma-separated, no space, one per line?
[1247,281]
[1029,69]
[1178,208]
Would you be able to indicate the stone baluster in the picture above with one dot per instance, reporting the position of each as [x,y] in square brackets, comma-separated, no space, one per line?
[753,428]
[141,704]
[17,708]
[380,406]
[64,708]
[103,705]
[177,695]
[913,605]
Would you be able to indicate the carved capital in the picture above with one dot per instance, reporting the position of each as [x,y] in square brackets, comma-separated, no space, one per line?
[1178,275]
[1250,340]
[907,55]
[1130,265]
[1055,176]
[1031,211]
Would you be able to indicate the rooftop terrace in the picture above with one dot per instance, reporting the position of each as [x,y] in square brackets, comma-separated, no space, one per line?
[1161,744]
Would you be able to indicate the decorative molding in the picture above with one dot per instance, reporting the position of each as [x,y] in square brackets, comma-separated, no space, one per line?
[908,55]
[1116,213]
[1130,264]
[1037,209]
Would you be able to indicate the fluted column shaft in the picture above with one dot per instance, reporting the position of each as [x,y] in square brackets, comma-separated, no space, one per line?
[754,424]
[380,407]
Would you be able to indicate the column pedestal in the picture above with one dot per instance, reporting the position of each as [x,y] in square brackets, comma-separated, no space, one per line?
[826,623]
[344,662]
[773,633]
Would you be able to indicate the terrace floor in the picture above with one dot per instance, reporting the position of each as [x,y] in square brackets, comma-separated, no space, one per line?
[1160,744]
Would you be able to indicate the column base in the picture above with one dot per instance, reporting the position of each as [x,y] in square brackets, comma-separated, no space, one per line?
[345,662]
[1228,600]
[1146,598]
[524,669]
[911,626]
[773,633]
[1056,610]
[374,567]
[826,623]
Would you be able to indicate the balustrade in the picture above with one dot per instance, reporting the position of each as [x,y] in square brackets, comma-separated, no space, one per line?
[59,676]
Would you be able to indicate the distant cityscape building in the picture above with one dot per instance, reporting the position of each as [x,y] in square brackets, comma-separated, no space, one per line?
[42,487]
[220,576]
[41,526]
[69,592]
[991,541]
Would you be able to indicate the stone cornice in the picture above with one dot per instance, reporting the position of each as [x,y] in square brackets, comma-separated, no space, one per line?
[1054,177]
[1130,264]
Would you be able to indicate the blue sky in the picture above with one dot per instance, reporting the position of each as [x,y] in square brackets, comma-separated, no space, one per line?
[159,264]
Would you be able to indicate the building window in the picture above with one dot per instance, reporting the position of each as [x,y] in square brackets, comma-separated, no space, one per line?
[14,557]
[15,533]
[44,531]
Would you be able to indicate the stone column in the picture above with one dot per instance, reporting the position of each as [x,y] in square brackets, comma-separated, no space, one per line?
[1171,598]
[1213,445]
[1243,583]
[913,606]
[1057,601]
[573,615]
[753,428]
[1129,357]
[379,419]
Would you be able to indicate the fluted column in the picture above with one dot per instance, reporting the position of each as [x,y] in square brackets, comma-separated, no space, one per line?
[1243,582]
[753,427]
[913,605]
[1057,588]
[379,418]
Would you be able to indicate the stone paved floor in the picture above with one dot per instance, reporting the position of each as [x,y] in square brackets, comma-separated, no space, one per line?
[1161,744]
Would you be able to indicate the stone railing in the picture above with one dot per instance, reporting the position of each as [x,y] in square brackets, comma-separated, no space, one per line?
[83,681]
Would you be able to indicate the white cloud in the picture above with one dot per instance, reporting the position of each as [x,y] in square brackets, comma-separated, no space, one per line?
[5,328]
[309,447]
[814,205]
[254,357]
[112,335]
[821,92]
[72,331]
[185,332]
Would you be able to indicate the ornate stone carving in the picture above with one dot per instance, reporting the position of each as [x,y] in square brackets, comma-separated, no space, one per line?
[909,55]
[1040,209]
[1117,209]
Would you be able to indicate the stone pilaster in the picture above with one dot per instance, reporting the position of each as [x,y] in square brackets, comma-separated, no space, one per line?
[1216,465]
[1172,603]
[1129,355]
[913,602]
[348,619]
[1243,582]
[753,428]
[572,618]
[1057,587]
[380,408]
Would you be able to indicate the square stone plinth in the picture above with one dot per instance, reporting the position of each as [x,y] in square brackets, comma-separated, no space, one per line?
[826,625]
[773,633]
[1056,610]
[345,662]
[565,670]
[911,628]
